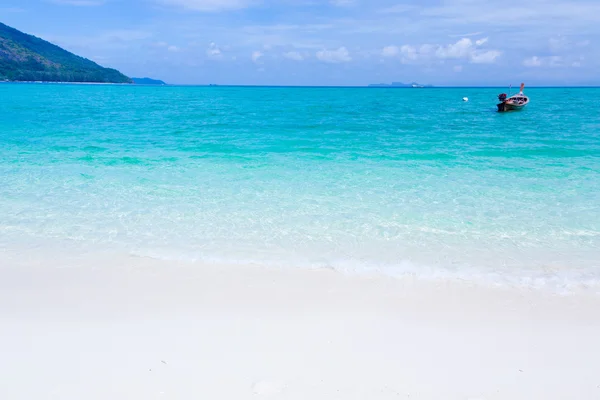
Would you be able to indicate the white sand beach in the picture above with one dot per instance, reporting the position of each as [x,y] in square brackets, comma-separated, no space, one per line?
[106,327]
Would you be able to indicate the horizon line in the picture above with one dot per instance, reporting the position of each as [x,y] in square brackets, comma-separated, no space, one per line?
[368,86]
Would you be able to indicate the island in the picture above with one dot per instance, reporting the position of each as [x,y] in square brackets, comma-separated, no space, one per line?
[26,58]
[147,81]
[400,85]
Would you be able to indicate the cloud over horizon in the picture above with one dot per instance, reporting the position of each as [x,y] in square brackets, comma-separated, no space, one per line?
[329,41]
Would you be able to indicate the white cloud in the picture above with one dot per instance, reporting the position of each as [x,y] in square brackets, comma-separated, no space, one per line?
[334,56]
[173,49]
[481,42]
[210,5]
[551,61]
[460,49]
[256,56]
[434,39]
[485,57]
[214,52]
[464,49]
[390,51]
[410,53]
[534,61]
[293,55]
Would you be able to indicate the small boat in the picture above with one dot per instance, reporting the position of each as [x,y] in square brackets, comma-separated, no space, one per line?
[513,103]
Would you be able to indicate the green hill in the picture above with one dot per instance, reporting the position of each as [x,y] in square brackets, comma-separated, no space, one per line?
[28,58]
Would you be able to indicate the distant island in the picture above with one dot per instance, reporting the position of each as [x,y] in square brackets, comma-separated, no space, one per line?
[400,85]
[147,81]
[26,58]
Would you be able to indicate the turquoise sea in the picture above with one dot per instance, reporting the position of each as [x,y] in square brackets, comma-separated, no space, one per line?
[393,181]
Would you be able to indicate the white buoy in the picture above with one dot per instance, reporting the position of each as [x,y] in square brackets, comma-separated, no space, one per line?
[465,99]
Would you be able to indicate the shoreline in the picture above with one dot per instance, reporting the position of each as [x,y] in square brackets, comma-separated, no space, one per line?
[553,279]
[135,327]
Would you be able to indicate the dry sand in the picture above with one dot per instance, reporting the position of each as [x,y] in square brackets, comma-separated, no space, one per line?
[106,327]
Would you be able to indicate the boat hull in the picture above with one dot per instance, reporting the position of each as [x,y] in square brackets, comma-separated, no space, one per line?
[503,107]
[512,103]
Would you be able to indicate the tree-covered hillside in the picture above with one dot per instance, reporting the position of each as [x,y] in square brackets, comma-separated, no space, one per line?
[28,58]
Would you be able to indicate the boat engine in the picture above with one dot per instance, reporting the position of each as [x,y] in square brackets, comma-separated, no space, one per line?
[502,97]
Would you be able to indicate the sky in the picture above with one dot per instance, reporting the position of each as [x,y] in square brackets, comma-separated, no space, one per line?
[326,42]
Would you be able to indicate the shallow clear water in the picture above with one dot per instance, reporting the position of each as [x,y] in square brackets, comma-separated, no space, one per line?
[398,180]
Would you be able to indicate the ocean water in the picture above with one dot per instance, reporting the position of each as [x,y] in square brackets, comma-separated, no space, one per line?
[393,181]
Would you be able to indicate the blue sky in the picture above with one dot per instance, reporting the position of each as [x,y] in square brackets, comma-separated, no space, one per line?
[326,42]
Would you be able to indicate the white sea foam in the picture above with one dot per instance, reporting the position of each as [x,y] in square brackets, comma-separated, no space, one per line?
[554,278]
